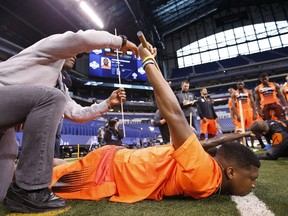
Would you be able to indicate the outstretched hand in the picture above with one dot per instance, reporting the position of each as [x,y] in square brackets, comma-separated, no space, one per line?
[144,52]
[130,46]
[117,97]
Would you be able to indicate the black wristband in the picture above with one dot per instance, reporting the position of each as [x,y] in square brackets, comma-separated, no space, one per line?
[124,40]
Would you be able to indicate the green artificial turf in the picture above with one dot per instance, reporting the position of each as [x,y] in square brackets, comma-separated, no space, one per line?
[272,185]
[271,188]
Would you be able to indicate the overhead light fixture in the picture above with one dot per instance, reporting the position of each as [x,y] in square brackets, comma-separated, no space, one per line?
[88,10]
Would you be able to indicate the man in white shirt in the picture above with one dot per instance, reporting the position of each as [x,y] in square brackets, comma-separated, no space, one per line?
[28,94]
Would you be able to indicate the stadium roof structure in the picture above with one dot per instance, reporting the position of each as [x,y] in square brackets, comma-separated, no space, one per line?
[25,22]
[22,23]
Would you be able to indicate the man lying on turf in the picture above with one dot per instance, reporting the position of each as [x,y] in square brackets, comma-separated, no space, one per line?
[209,145]
[182,168]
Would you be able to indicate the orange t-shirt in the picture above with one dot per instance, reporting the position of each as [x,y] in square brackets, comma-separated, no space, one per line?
[268,94]
[244,97]
[285,91]
[152,173]
[247,110]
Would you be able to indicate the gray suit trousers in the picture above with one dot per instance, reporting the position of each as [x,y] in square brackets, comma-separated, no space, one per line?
[41,109]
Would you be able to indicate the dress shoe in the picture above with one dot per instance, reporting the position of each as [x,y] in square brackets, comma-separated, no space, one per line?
[20,200]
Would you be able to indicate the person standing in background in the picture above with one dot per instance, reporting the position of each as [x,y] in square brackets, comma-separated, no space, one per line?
[100,135]
[284,89]
[207,114]
[266,99]
[244,98]
[160,122]
[113,134]
[187,101]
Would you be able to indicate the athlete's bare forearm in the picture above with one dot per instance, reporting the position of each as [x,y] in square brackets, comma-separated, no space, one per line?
[219,140]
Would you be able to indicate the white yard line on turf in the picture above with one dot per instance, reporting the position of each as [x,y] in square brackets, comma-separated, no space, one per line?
[251,205]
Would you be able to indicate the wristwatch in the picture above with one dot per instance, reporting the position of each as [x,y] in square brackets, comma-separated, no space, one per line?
[124,40]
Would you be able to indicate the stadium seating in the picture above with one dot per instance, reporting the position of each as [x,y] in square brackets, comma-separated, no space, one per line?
[207,67]
[233,62]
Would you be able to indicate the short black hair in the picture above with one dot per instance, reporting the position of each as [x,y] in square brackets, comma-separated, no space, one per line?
[238,154]
[112,121]
[258,126]
[186,81]
[262,75]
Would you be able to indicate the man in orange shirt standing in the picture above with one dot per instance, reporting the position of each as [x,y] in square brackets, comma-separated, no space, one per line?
[182,168]
[266,99]
[244,97]
[284,89]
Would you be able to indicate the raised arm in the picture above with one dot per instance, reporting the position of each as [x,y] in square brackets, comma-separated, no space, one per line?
[77,113]
[166,101]
[68,44]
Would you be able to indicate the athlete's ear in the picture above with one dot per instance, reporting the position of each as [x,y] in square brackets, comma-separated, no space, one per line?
[230,172]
